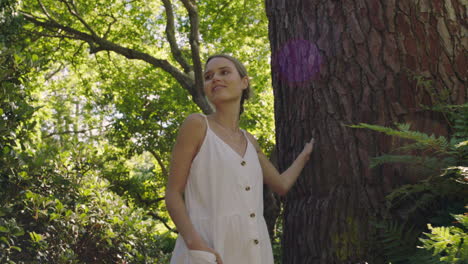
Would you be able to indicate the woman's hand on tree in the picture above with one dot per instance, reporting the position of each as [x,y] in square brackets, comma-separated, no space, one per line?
[308,148]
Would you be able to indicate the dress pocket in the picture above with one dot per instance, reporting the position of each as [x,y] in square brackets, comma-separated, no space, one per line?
[202,257]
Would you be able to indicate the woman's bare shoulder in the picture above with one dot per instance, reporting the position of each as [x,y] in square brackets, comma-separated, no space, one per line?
[195,119]
[193,127]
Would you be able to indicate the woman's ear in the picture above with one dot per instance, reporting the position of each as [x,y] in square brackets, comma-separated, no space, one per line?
[245,82]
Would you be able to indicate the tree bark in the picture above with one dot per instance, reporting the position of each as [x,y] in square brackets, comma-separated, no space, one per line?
[336,63]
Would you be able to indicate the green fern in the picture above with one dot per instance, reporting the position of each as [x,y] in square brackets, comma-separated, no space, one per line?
[400,242]
[457,116]
[432,200]
[432,164]
[448,244]
[422,141]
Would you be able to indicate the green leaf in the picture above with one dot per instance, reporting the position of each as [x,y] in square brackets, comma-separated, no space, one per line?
[19,232]
[35,237]
[6,149]
[4,240]
[16,248]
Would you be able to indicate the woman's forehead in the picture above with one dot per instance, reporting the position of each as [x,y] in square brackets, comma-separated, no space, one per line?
[218,63]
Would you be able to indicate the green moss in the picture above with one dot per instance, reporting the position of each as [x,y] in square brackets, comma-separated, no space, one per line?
[348,244]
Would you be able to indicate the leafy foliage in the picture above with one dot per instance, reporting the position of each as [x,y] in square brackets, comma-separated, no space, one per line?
[429,204]
[53,206]
[86,138]
[448,243]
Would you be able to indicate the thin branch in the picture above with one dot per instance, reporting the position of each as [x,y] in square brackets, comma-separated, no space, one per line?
[44,9]
[52,74]
[61,36]
[148,204]
[110,24]
[75,54]
[163,220]
[170,34]
[75,132]
[26,14]
[74,12]
[160,162]
[220,10]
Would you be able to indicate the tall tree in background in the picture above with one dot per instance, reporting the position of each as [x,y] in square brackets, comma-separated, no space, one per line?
[336,63]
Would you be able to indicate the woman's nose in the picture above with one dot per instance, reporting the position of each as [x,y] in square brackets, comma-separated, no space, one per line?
[216,77]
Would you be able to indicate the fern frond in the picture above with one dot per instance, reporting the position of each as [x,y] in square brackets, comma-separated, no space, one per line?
[398,240]
[462,144]
[431,142]
[447,243]
[430,163]
[423,256]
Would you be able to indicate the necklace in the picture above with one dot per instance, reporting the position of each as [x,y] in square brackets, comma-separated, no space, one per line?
[229,132]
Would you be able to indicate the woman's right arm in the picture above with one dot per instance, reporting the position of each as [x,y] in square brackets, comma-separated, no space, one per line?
[188,141]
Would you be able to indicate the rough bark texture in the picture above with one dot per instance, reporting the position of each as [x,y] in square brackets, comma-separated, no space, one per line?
[344,62]
[271,201]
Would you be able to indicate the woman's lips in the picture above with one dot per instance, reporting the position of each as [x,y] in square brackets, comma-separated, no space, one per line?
[217,87]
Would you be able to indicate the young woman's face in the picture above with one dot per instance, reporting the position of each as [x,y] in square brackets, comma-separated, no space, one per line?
[222,81]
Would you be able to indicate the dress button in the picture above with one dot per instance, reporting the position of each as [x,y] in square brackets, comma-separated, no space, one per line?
[256,241]
[252,215]
[243,163]
[247,188]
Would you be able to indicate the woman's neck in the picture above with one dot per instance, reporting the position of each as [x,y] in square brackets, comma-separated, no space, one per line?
[227,115]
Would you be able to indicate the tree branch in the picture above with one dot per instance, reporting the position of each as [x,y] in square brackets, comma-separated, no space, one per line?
[191,7]
[170,34]
[148,204]
[160,162]
[97,44]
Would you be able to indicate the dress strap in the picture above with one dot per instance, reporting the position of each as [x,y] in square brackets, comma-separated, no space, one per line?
[245,135]
[206,120]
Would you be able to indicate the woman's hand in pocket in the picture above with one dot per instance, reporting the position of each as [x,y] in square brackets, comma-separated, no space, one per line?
[202,246]
[218,257]
[205,256]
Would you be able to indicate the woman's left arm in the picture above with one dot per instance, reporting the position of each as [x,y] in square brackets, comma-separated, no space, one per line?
[281,183]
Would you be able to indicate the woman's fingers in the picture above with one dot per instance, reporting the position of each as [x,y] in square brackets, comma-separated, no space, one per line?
[218,259]
[310,145]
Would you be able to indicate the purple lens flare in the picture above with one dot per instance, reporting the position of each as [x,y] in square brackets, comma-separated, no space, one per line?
[299,61]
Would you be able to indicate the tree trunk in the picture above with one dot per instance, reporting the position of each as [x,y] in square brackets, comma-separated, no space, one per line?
[336,63]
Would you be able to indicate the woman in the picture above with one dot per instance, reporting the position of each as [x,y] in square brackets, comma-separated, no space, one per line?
[214,192]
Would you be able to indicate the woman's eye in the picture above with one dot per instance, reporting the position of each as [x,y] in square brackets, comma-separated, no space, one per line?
[207,77]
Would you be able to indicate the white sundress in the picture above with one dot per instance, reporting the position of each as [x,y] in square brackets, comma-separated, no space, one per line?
[224,200]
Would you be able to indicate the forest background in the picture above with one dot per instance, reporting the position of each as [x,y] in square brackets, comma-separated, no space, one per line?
[92,94]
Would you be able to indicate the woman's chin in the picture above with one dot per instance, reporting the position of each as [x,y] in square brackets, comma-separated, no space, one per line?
[223,99]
